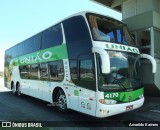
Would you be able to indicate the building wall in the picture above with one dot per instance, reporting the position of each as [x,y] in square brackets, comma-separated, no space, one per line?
[143,13]
[132,8]
[143,16]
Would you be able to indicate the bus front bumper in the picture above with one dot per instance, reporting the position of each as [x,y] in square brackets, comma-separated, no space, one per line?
[109,110]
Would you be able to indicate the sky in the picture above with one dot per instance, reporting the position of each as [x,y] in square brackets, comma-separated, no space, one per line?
[21,19]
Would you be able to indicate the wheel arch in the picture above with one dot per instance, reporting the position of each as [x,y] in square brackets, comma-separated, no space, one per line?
[55,92]
[11,85]
[17,84]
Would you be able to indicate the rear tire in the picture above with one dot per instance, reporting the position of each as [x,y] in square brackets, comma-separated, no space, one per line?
[61,101]
[19,94]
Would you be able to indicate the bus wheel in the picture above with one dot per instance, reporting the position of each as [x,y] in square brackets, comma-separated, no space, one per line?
[61,101]
[13,88]
[19,90]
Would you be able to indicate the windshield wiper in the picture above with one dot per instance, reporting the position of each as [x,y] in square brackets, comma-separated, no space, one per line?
[120,82]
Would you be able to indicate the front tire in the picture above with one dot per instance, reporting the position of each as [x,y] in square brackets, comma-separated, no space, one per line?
[61,101]
[13,89]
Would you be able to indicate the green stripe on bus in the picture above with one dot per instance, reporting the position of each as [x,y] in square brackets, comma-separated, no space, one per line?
[46,55]
[124,96]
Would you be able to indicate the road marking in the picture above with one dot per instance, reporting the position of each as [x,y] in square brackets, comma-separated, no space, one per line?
[155,111]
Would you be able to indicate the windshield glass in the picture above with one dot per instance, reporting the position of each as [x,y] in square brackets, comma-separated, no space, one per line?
[108,29]
[124,73]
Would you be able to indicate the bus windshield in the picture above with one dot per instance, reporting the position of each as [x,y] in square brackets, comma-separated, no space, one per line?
[108,30]
[124,73]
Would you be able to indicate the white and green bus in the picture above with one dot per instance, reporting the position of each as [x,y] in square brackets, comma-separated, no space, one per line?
[87,62]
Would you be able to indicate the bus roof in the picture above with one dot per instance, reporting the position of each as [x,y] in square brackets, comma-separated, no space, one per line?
[83,13]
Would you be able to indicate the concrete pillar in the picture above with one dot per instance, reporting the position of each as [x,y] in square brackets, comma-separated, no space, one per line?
[143,19]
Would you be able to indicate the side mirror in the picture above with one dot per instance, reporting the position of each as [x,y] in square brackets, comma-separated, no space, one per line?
[152,60]
[104,58]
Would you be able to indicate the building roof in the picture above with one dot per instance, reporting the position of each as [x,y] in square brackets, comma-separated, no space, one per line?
[114,4]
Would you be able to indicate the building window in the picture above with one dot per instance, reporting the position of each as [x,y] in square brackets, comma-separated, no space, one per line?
[157,43]
[143,40]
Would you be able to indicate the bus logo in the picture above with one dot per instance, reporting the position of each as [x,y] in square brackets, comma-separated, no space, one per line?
[122,48]
[129,98]
[36,58]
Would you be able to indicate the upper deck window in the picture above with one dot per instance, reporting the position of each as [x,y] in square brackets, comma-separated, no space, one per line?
[76,29]
[108,30]
[52,37]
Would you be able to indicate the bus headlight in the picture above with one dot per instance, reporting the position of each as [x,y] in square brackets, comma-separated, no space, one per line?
[108,101]
[141,96]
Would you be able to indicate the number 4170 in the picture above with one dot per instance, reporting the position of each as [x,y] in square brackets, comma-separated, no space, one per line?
[111,95]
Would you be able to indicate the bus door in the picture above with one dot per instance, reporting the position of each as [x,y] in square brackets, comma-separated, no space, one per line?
[72,89]
[73,95]
[25,75]
[87,101]
[45,82]
[87,83]
[35,84]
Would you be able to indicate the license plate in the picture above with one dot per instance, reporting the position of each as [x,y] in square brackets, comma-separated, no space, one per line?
[129,107]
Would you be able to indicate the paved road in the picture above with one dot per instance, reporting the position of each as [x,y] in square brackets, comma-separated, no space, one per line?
[13,108]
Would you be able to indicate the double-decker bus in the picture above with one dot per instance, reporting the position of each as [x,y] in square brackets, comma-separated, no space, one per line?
[88,63]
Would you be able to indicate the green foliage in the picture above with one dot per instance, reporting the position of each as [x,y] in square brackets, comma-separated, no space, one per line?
[1,74]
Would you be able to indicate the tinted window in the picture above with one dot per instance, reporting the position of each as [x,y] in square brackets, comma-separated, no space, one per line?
[108,29]
[87,72]
[73,69]
[36,43]
[24,72]
[76,29]
[34,71]
[52,37]
[12,52]
[56,70]
[20,49]
[44,71]
[28,45]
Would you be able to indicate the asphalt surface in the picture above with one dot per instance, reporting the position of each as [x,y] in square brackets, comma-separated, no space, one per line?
[13,108]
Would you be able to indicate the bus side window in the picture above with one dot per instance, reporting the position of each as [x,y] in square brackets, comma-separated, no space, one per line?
[73,69]
[87,72]
[36,42]
[28,46]
[44,71]
[52,37]
[77,36]
[25,71]
[34,71]
[76,29]
[19,49]
[56,71]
